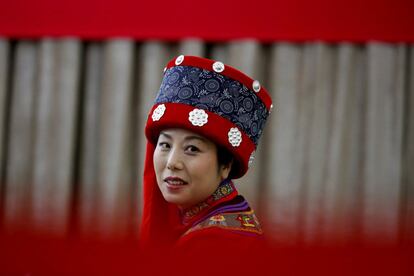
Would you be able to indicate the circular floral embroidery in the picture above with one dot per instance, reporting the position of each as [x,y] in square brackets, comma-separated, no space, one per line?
[158,112]
[227,106]
[212,85]
[235,137]
[198,117]
[185,93]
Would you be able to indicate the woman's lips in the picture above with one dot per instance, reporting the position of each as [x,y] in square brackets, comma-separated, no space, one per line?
[174,183]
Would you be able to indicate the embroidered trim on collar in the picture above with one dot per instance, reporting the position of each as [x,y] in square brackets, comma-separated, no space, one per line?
[241,222]
[224,190]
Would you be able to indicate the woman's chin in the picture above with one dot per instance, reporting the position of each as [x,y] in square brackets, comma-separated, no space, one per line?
[175,199]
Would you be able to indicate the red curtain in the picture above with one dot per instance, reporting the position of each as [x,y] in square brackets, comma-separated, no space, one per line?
[266,20]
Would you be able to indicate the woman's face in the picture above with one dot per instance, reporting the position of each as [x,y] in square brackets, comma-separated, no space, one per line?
[186,167]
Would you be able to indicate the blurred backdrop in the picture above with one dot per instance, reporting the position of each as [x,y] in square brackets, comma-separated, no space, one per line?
[335,162]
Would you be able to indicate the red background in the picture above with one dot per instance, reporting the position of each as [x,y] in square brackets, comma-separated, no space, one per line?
[266,20]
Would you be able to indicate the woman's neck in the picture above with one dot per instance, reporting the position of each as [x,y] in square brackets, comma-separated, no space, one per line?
[225,191]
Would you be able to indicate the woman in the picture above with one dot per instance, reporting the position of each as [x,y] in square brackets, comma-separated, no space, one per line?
[202,132]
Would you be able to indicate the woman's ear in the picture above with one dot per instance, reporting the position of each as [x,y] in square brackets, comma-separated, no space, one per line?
[225,170]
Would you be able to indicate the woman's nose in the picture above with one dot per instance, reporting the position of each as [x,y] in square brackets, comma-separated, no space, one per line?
[174,161]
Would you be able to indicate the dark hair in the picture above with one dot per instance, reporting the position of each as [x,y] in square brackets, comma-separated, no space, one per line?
[224,158]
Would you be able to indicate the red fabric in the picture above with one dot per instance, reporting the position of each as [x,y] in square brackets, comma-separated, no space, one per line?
[214,238]
[20,255]
[160,224]
[266,20]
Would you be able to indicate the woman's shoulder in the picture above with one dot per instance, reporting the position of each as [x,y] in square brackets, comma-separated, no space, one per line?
[235,231]
[239,223]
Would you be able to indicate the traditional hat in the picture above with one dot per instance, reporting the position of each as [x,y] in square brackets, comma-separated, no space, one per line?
[212,99]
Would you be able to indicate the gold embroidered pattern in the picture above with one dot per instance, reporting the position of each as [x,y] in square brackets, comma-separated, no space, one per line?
[222,191]
[217,218]
[239,221]
[245,220]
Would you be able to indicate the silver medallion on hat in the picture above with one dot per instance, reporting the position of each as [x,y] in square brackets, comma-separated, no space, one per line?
[251,159]
[158,112]
[198,117]
[235,136]
[218,66]
[256,86]
[179,60]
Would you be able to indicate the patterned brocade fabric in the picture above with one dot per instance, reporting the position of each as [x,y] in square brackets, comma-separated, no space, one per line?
[224,209]
[244,222]
[215,93]
[225,191]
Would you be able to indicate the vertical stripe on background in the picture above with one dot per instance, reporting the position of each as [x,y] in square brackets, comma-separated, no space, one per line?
[4,78]
[89,135]
[283,145]
[114,166]
[20,137]
[319,85]
[407,193]
[344,160]
[151,59]
[383,142]
[55,118]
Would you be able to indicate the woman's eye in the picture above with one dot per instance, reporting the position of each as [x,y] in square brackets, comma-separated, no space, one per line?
[163,145]
[192,149]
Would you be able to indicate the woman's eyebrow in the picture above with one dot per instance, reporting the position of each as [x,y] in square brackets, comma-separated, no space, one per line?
[166,135]
[190,137]
[195,137]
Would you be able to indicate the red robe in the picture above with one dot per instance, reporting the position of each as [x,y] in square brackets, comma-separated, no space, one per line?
[224,219]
